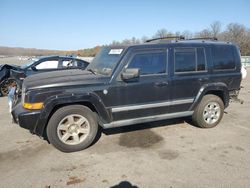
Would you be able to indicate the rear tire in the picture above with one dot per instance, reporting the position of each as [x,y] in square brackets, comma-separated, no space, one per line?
[209,111]
[72,128]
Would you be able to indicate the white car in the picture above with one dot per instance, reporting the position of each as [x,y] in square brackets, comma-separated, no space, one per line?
[243,72]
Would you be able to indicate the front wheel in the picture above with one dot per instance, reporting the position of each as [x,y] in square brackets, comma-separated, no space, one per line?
[72,128]
[5,85]
[209,111]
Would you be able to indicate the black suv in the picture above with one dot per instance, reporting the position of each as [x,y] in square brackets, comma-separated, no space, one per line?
[127,85]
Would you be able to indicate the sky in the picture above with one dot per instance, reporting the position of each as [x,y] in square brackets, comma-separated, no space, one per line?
[79,24]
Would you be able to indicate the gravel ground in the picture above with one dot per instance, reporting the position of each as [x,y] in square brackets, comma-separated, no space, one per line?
[161,154]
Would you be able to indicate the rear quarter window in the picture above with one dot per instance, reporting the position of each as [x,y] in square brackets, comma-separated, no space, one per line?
[223,58]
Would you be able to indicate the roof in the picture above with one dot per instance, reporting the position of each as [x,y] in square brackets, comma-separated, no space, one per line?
[57,56]
[160,41]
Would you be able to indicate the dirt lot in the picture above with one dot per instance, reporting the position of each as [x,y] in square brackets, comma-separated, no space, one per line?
[161,154]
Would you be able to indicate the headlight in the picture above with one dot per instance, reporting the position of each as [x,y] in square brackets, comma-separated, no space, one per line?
[33,106]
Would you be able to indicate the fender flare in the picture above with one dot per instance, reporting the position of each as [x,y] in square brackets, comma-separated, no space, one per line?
[63,100]
[210,88]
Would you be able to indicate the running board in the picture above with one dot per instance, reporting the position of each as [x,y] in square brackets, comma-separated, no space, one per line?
[126,122]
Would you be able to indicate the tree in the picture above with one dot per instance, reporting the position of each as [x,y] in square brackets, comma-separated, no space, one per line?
[205,33]
[238,34]
[215,29]
[162,33]
[187,34]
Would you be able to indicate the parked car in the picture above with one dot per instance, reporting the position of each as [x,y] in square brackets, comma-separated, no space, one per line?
[4,77]
[127,85]
[243,72]
[12,73]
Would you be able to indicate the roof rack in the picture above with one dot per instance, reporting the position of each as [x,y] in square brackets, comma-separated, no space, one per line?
[204,38]
[172,37]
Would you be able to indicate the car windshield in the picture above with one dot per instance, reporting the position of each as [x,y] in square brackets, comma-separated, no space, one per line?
[28,64]
[105,61]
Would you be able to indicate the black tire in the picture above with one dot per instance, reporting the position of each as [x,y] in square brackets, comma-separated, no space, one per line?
[199,119]
[59,115]
[5,84]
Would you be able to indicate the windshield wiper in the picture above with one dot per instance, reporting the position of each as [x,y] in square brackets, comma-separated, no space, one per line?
[91,70]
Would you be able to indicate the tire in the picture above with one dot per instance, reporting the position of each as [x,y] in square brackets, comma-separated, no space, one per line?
[209,111]
[72,128]
[4,86]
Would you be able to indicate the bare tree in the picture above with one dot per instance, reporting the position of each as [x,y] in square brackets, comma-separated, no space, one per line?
[205,33]
[234,32]
[162,33]
[144,39]
[215,29]
[187,34]
[240,35]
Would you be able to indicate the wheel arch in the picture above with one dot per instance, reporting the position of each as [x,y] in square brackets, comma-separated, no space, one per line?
[94,104]
[218,89]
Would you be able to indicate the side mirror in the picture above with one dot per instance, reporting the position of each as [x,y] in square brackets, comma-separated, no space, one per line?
[33,68]
[131,75]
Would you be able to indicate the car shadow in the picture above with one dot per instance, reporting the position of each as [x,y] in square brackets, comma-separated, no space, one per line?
[141,126]
[124,184]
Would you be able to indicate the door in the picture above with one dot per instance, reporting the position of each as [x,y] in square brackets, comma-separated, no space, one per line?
[189,73]
[146,96]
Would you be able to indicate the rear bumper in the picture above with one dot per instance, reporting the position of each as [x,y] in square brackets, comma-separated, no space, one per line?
[26,118]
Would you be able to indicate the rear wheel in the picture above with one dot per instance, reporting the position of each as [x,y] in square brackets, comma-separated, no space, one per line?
[72,128]
[209,111]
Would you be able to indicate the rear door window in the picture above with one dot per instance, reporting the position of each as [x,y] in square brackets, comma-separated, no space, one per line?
[189,60]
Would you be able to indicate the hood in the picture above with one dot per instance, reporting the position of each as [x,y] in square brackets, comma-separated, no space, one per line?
[16,67]
[63,78]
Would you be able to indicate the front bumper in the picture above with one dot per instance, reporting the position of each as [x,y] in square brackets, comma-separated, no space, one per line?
[28,119]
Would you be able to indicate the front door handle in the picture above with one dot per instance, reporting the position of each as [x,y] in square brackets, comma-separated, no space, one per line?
[161,84]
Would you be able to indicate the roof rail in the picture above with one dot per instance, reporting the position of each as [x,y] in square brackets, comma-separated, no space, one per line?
[172,37]
[204,38]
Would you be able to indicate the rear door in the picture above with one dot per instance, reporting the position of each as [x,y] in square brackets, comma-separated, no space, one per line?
[189,73]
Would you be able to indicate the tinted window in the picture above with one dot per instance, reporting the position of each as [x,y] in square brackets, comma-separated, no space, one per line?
[223,57]
[149,63]
[79,64]
[190,59]
[185,60]
[201,60]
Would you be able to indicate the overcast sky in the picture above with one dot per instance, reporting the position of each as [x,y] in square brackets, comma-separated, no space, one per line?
[78,24]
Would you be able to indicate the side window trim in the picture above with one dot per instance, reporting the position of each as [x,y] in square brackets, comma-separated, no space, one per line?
[196,59]
[146,51]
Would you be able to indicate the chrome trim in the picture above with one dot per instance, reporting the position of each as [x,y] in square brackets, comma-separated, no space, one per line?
[152,105]
[125,122]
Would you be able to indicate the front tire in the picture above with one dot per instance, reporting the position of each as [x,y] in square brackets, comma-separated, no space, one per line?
[72,128]
[209,111]
[5,85]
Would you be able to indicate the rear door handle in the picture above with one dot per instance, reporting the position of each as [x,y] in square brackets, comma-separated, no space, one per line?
[161,84]
[203,79]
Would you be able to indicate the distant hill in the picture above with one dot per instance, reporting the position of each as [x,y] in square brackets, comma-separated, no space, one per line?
[15,51]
